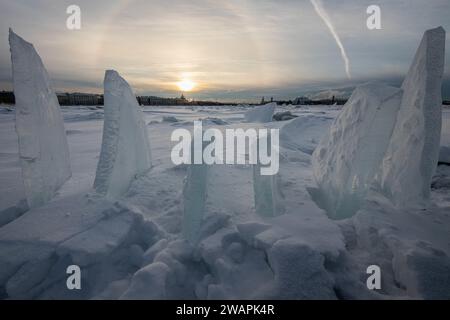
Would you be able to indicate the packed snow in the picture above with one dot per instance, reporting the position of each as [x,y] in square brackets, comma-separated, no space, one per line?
[223,231]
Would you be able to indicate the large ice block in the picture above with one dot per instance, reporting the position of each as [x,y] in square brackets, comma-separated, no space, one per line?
[349,155]
[43,149]
[125,151]
[413,152]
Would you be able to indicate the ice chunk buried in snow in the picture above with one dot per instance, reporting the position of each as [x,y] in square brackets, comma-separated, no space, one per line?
[125,150]
[43,149]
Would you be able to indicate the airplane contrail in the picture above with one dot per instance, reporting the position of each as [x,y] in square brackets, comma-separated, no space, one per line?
[320,10]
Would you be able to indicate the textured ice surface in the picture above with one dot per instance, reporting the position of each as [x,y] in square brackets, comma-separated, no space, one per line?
[413,152]
[125,151]
[349,155]
[261,113]
[43,149]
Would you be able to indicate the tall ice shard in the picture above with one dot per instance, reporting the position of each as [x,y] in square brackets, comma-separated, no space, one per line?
[125,151]
[412,155]
[43,148]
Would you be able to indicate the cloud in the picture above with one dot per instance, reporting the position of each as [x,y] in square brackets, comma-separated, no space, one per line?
[318,6]
[230,48]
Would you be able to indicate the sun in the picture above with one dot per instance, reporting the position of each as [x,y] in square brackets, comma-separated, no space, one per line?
[186,85]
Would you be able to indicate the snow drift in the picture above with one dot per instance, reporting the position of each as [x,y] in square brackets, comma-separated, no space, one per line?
[43,148]
[303,133]
[125,150]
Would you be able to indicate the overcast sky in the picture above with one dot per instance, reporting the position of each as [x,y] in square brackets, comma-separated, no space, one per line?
[232,49]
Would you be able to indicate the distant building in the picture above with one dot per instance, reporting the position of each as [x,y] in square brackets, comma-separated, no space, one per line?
[155,101]
[77,99]
[158,101]
[89,99]
[7,97]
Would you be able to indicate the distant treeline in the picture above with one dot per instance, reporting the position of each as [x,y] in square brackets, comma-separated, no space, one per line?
[312,102]
[87,99]
[181,101]
[7,97]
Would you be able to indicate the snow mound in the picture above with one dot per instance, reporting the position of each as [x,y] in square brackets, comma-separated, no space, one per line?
[299,272]
[170,119]
[125,151]
[43,148]
[261,261]
[213,121]
[106,240]
[410,245]
[261,113]
[148,283]
[413,151]
[283,116]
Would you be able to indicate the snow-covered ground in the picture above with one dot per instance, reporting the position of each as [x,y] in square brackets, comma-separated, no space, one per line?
[133,247]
